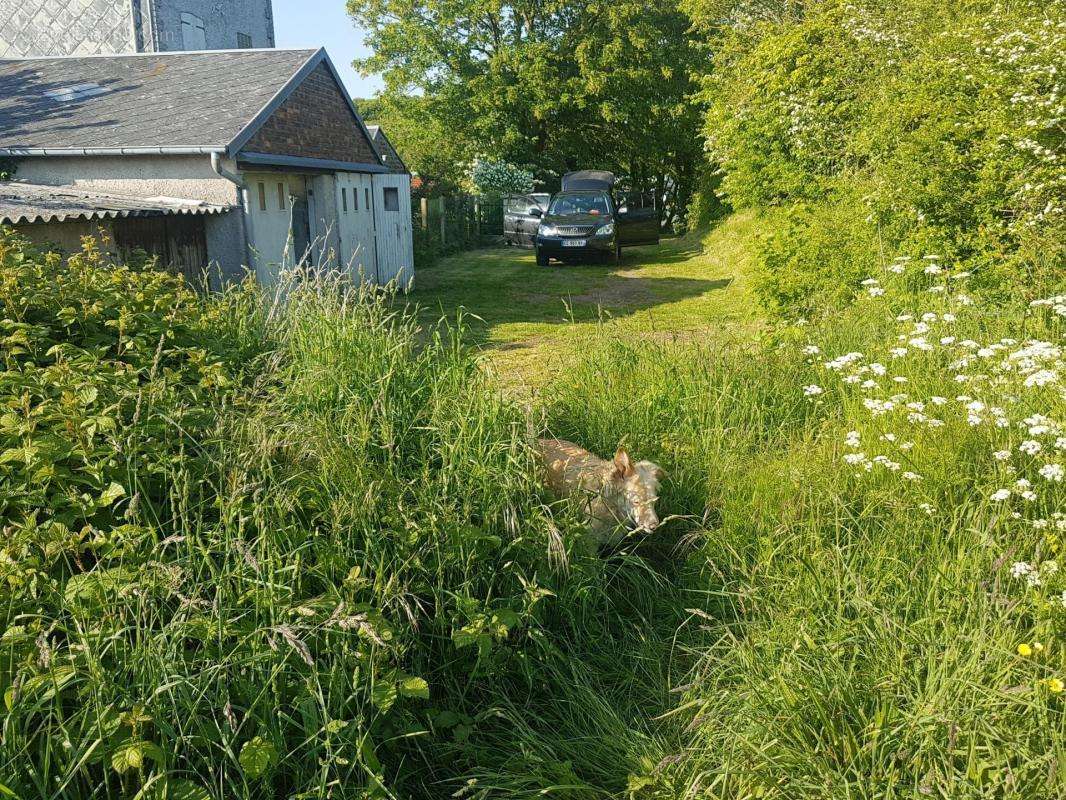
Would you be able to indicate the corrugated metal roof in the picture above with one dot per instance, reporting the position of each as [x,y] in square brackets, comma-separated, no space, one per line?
[141,101]
[22,203]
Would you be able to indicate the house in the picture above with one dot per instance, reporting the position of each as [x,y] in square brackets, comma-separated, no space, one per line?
[95,27]
[233,158]
[389,157]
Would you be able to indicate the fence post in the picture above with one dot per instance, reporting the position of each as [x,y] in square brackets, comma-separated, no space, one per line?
[425,213]
[441,207]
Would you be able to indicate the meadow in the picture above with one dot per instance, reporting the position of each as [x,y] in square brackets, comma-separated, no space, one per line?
[293,542]
[266,545]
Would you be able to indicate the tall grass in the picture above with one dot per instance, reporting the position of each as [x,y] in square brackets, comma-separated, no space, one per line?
[291,546]
[255,545]
[861,632]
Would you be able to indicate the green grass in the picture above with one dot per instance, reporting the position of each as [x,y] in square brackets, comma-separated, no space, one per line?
[530,320]
[296,545]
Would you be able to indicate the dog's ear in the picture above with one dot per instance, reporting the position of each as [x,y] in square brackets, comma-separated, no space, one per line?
[622,464]
[660,474]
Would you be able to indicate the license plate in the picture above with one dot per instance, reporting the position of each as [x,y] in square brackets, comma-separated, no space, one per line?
[574,242]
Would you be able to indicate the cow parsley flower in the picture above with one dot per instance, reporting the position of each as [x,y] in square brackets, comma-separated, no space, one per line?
[1030,447]
[1000,495]
[813,390]
[1041,377]
[1052,472]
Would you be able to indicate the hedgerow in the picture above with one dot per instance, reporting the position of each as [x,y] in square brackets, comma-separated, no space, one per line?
[937,127]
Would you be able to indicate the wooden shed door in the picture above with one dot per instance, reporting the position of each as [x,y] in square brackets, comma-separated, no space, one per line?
[355,214]
[178,242]
[392,212]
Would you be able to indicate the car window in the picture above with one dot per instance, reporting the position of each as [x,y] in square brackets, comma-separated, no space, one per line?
[519,204]
[567,204]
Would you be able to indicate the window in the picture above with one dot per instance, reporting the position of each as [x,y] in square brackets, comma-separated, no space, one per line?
[344,200]
[193,33]
[392,199]
[281,196]
[579,203]
[262,196]
[355,199]
[244,41]
[366,196]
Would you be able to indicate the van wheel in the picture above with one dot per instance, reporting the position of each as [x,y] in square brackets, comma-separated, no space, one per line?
[542,258]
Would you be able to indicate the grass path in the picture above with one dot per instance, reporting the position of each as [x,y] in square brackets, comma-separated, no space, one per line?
[531,320]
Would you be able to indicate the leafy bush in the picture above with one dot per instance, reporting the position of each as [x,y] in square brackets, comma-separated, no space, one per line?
[252,544]
[499,177]
[936,125]
[814,257]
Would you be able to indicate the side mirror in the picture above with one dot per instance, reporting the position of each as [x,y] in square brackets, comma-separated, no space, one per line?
[536,212]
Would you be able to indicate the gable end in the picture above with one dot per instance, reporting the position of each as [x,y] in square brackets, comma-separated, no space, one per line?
[314,121]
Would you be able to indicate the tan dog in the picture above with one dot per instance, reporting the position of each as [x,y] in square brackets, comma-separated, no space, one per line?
[614,494]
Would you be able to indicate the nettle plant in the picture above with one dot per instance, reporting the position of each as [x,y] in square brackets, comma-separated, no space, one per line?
[960,415]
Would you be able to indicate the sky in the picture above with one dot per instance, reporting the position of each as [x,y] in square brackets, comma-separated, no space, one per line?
[325,23]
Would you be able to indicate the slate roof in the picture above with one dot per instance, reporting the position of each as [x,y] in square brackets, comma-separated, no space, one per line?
[27,202]
[142,101]
[385,148]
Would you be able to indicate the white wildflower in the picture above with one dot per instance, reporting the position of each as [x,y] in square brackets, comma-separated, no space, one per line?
[1052,472]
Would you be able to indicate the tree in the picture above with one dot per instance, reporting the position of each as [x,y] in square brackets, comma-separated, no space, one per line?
[550,84]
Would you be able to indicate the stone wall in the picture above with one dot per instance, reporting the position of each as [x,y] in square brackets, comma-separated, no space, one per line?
[65,27]
[91,27]
[222,22]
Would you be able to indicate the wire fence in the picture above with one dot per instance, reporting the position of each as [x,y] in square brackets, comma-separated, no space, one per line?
[446,225]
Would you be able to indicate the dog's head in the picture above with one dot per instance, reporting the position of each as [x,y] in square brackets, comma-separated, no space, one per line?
[636,489]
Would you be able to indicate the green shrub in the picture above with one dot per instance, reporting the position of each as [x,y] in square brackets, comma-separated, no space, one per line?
[252,543]
[934,125]
[815,258]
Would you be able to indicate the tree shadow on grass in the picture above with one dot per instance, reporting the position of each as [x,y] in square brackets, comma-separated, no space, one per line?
[502,287]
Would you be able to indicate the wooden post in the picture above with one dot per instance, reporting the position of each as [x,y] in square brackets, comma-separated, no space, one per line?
[425,213]
[477,216]
[440,207]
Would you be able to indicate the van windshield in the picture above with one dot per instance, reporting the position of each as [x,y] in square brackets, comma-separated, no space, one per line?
[586,203]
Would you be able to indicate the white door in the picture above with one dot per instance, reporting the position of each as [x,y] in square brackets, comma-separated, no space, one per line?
[392,209]
[273,199]
[355,226]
